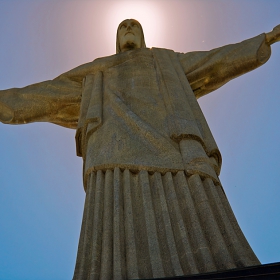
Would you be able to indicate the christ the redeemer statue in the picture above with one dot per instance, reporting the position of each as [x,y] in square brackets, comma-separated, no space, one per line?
[154,204]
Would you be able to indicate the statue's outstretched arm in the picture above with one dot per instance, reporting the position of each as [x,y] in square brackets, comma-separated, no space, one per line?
[55,101]
[208,70]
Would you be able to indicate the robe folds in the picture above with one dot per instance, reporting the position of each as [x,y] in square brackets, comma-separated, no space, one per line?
[154,204]
[142,114]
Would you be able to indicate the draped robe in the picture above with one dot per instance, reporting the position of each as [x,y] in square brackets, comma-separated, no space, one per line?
[154,203]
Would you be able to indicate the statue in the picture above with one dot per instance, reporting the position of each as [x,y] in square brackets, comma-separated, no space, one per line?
[154,204]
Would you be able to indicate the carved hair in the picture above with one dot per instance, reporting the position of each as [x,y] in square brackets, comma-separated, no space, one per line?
[143,44]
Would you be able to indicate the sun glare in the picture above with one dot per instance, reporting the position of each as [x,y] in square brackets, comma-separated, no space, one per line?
[149,14]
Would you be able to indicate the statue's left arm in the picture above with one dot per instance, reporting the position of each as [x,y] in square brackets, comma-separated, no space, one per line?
[208,70]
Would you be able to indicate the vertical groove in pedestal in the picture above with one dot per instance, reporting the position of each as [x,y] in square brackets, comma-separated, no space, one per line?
[107,237]
[169,254]
[212,231]
[230,236]
[140,225]
[251,257]
[140,229]
[189,212]
[118,224]
[153,244]
[130,239]
[83,257]
[181,234]
[97,225]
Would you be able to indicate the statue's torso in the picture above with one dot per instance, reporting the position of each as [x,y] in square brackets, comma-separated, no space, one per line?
[135,83]
[134,131]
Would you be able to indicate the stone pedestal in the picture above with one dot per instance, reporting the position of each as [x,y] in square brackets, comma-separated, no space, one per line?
[261,272]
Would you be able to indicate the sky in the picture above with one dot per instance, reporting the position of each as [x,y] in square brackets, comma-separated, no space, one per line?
[41,193]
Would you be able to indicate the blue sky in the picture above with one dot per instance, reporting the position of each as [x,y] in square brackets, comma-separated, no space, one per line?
[41,194]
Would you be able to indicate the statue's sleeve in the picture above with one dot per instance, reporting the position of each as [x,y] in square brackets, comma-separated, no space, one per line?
[56,101]
[208,70]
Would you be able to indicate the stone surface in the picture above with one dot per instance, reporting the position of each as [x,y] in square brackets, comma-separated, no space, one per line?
[261,272]
[154,203]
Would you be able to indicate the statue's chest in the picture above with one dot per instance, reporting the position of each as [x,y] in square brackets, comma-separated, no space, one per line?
[135,83]
[134,80]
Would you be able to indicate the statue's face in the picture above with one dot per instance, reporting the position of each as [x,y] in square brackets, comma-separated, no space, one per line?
[129,34]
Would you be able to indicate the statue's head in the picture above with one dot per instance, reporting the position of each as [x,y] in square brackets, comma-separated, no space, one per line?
[129,36]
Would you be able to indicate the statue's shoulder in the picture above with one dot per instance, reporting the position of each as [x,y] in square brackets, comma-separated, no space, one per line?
[103,63]
[161,49]
[79,72]
[120,57]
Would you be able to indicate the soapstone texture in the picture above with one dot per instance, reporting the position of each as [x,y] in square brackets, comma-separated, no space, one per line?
[154,204]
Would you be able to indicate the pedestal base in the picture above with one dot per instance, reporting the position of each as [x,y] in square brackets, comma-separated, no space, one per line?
[260,272]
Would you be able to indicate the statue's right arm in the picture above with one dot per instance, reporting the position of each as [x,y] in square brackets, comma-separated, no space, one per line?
[56,101]
[208,70]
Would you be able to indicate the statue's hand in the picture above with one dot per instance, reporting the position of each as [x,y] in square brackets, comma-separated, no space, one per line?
[273,36]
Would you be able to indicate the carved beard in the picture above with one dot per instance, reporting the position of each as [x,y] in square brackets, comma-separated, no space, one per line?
[130,45]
